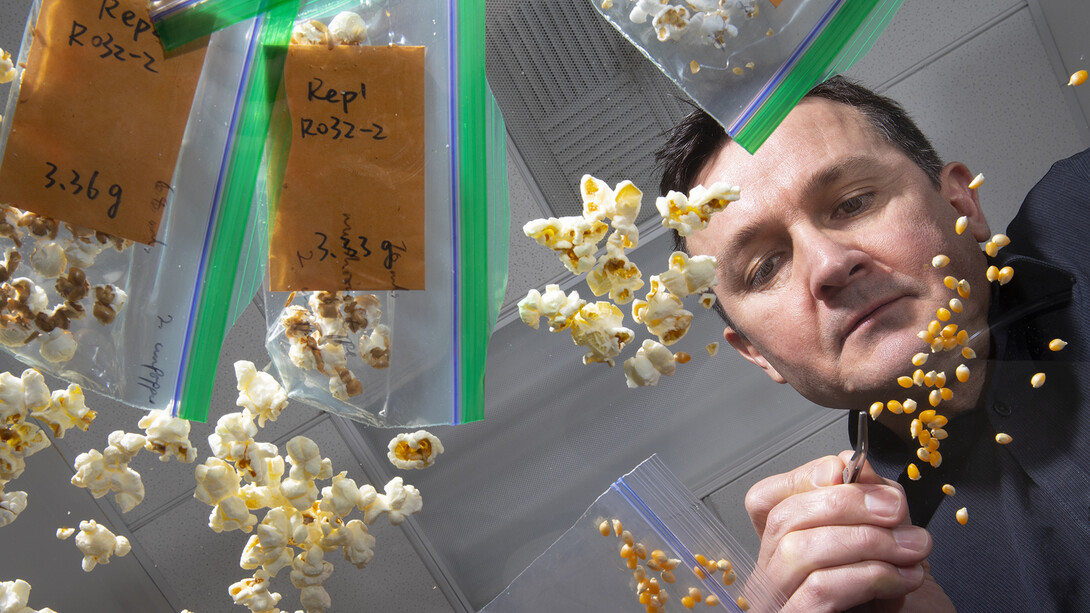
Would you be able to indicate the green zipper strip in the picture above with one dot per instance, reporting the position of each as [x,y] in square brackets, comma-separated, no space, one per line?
[807,72]
[473,209]
[865,38]
[189,24]
[499,229]
[230,225]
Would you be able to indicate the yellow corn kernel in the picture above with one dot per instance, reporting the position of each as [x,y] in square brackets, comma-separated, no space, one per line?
[905,382]
[949,331]
[694,66]
[626,538]
[1077,78]
[604,528]
[626,551]
[924,436]
[895,407]
[943,314]
[962,515]
[962,373]
[671,564]
[655,565]
[688,602]
[950,343]
[641,551]
[962,337]
[667,576]
[1037,380]
[934,398]
[938,344]
[729,577]
[699,572]
[909,406]
[963,288]
[991,249]
[934,327]
[1005,275]
[956,306]
[639,574]
[948,489]
[653,586]
[701,560]
[1003,438]
[738,70]
[927,415]
[617,527]
[724,565]
[682,357]
[939,261]
[742,603]
[992,273]
[946,393]
[770,32]
[1001,240]
[696,594]
[960,225]
[632,562]
[976,182]
[876,409]
[663,597]
[919,359]
[925,336]
[713,349]
[929,378]
[1056,344]
[940,380]
[918,376]
[968,353]
[923,454]
[659,556]
[938,434]
[936,459]
[643,584]
[712,600]
[913,472]
[645,598]
[950,282]
[915,428]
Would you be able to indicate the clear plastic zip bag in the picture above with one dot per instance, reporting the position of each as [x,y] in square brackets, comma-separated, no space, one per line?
[387,208]
[135,347]
[747,63]
[645,541]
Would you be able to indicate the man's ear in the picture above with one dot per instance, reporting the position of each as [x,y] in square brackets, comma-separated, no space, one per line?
[748,351]
[955,178]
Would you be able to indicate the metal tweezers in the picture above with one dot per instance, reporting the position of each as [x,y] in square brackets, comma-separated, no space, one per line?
[855,464]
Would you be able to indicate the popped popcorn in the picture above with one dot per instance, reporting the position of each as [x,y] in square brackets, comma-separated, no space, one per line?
[662,313]
[109,470]
[356,543]
[11,505]
[615,273]
[310,33]
[621,205]
[574,239]
[253,593]
[108,303]
[399,501]
[58,346]
[646,8]
[167,436]
[687,275]
[67,409]
[259,393]
[49,260]
[651,361]
[308,572]
[414,450]
[63,533]
[14,596]
[598,328]
[554,305]
[97,544]
[348,28]
[7,67]
[687,214]
[670,23]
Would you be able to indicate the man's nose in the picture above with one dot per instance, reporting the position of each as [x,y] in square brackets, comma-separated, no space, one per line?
[834,263]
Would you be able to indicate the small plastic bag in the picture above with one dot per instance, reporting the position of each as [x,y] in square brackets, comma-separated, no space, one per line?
[137,339]
[748,63]
[646,537]
[388,260]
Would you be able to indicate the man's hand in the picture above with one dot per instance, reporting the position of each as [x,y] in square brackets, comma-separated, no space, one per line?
[831,546]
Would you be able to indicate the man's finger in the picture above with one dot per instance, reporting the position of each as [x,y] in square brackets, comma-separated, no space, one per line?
[771,491]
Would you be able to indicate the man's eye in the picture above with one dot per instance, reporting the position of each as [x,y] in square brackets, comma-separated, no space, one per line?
[854,205]
[764,272]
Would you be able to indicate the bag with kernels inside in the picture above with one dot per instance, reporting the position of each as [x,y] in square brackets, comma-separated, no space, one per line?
[747,63]
[113,195]
[388,235]
[647,540]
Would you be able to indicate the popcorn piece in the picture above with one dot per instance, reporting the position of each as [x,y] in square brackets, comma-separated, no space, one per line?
[713,348]
[11,264]
[558,308]
[261,464]
[361,312]
[73,287]
[615,273]
[39,225]
[326,306]
[662,313]
[645,9]
[356,543]
[231,514]
[11,505]
[415,450]
[97,544]
[58,346]
[687,214]
[269,548]
[376,350]
[598,328]
[310,33]
[307,465]
[575,239]
[397,503]
[14,596]
[233,432]
[167,436]
[66,410]
[670,23]
[348,28]
[91,473]
[64,532]
[687,275]
[707,300]
[309,571]
[216,480]
[621,205]
[81,251]
[49,260]
[651,361]
[7,67]
[259,393]
[253,593]
[344,385]
[108,303]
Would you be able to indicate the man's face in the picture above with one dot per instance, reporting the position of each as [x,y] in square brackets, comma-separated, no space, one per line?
[825,261]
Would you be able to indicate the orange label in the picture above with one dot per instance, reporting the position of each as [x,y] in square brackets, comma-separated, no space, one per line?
[351,209]
[101,113]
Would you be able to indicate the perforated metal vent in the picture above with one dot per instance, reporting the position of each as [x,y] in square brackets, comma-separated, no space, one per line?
[577,98]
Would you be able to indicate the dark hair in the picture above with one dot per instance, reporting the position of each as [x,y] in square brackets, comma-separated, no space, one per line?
[699,137]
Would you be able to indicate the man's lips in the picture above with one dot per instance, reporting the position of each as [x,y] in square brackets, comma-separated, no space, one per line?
[870,312]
